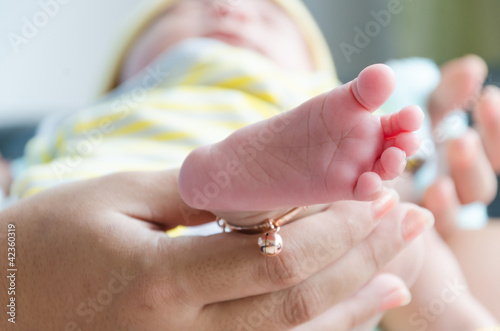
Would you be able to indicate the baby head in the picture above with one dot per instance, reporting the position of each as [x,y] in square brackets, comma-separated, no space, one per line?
[281,30]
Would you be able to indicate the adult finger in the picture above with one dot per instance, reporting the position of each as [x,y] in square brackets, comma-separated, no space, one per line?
[382,293]
[487,116]
[229,266]
[471,170]
[442,200]
[299,304]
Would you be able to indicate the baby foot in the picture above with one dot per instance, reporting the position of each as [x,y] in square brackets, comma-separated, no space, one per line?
[461,81]
[330,148]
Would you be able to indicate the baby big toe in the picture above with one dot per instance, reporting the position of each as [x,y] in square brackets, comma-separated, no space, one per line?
[374,86]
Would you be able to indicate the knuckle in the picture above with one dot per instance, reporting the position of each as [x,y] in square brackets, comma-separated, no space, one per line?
[302,305]
[356,317]
[153,295]
[349,232]
[373,257]
[355,225]
[283,270]
[147,295]
[161,282]
[126,179]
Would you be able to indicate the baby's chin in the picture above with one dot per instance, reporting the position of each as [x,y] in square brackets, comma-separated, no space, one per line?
[248,45]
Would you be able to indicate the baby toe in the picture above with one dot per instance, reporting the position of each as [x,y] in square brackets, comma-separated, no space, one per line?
[391,164]
[408,119]
[374,86]
[406,141]
[368,187]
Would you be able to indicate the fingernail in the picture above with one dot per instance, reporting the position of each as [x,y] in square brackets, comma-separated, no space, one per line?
[398,298]
[380,207]
[416,221]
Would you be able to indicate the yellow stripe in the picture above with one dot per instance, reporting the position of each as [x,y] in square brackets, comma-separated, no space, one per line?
[45,156]
[264,109]
[92,124]
[33,191]
[169,136]
[59,140]
[192,107]
[237,82]
[198,71]
[266,96]
[133,128]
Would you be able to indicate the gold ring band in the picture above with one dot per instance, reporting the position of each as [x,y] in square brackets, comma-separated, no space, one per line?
[270,242]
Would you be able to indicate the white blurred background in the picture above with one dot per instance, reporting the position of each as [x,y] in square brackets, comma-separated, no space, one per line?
[56,67]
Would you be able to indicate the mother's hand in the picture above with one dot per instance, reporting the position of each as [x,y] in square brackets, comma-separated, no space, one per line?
[90,255]
[472,161]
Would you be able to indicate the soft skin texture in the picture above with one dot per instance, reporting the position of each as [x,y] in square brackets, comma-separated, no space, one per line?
[331,147]
[259,25]
[114,225]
